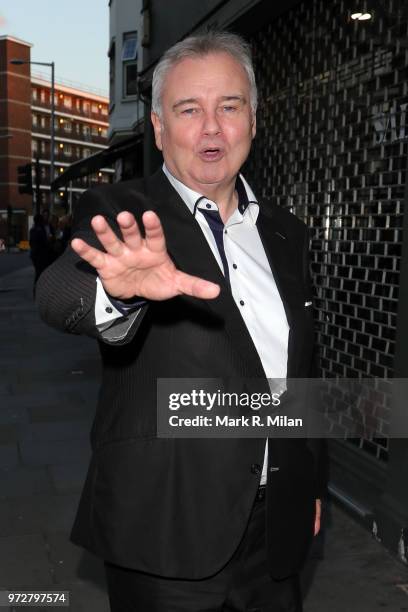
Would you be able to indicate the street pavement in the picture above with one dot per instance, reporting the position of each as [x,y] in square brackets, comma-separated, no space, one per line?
[13,261]
[48,390]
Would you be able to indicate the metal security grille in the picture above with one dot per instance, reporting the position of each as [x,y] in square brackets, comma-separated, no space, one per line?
[331,146]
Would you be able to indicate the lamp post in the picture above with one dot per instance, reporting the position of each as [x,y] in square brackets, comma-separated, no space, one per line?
[19,62]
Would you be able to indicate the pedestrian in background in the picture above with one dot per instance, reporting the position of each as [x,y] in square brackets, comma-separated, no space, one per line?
[63,235]
[40,249]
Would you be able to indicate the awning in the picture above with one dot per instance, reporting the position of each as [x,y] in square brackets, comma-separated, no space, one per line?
[95,162]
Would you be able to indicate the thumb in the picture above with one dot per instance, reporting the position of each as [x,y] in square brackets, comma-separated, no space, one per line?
[195,286]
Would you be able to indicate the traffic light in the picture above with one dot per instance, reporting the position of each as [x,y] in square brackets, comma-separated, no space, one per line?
[24,179]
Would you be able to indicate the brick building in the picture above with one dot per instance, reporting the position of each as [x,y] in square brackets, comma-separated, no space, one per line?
[80,128]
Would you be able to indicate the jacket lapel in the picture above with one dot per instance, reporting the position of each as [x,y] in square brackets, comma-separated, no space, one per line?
[281,257]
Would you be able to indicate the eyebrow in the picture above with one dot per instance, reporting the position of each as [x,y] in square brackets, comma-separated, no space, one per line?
[183,101]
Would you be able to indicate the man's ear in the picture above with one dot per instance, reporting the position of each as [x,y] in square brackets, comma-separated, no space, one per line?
[157,127]
[253,126]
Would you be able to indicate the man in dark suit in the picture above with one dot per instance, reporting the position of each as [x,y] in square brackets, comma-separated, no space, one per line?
[189,275]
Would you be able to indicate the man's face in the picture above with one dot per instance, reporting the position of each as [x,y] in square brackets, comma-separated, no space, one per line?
[207,125]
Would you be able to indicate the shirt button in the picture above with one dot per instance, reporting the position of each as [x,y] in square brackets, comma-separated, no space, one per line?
[108,309]
[234,266]
[242,302]
[255,468]
[208,205]
[225,232]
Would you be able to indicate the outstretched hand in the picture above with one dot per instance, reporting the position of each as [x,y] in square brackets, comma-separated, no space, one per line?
[137,266]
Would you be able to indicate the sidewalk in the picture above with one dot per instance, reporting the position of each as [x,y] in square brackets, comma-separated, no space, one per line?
[48,389]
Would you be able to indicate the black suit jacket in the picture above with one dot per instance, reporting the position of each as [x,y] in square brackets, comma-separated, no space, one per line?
[179,507]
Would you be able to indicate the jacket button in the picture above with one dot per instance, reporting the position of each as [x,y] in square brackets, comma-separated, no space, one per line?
[255,468]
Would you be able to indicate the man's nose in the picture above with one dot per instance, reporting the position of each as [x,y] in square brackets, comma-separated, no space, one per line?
[212,124]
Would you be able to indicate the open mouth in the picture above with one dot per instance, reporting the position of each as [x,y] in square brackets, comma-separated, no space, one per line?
[211,154]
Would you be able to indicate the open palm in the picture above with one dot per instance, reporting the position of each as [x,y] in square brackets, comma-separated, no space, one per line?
[137,266]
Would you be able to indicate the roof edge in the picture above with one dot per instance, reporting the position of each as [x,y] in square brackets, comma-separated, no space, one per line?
[17,40]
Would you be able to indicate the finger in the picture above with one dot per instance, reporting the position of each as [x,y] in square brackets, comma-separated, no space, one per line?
[106,236]
[155,240]
[318,516]
[196,287]
[93,256]
[130,230]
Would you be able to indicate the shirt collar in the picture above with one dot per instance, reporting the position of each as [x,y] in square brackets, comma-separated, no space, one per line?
[195,200]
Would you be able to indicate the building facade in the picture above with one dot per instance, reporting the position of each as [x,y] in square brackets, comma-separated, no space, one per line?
[80,130]
[81,126]
[126,109]
[128,32]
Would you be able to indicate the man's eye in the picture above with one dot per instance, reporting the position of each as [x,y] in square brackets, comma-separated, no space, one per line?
[229,109]
[189,111]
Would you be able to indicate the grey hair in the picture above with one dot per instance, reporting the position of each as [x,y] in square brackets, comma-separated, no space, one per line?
[200,45]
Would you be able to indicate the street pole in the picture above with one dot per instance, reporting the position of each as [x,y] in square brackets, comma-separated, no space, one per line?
[9,226]
[70,198]
[37,187]
[52,152]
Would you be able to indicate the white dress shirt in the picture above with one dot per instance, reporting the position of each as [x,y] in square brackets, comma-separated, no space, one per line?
[252,283]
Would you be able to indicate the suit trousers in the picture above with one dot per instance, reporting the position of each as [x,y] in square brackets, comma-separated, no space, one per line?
[242,585]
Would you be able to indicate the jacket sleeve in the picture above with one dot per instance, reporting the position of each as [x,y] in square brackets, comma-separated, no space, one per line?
[66,290]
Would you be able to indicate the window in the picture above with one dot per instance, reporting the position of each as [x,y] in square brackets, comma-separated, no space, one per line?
[68,150]
[42,96]
[130,79]
[43,122]
[67,101]
[104,110]
[68,126]
[129,48]
[34,94]
[35,120]
[34,147]
[86,130]
[86,152]
[95,131]
[78,104]
[42,147]
[86,107]
[129,59]
[95,108]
